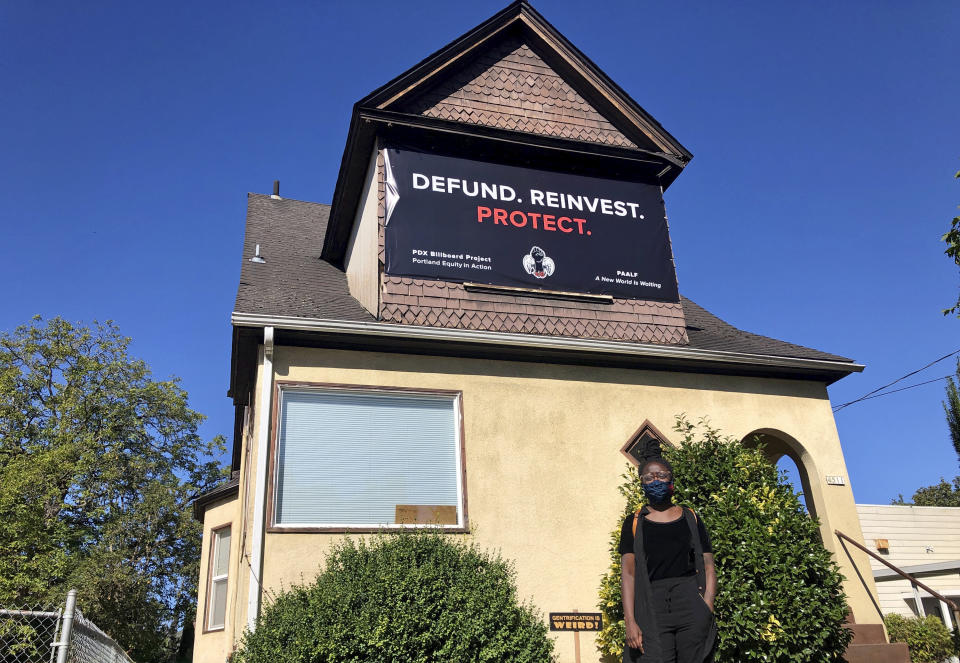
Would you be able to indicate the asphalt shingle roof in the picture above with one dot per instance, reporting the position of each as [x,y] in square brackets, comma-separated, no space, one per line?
[708,332]
[295,282]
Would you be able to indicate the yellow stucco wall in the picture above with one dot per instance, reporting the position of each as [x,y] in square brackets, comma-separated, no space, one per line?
[541,444]
[210,647]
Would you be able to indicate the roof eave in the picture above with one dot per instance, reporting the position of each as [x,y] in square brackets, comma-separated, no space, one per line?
[393,89]
[632,110]
[827,370]
[224,491]
[349,186]
[949,567]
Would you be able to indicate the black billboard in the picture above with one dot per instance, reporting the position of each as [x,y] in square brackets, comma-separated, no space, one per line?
[461,220]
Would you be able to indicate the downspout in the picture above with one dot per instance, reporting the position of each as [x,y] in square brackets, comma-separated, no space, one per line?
[260,491]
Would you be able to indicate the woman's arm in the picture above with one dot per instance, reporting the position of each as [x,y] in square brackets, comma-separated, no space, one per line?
[627,572]
[710,591]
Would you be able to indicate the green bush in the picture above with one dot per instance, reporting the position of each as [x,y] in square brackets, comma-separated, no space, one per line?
[412,596]
[779,592]
[927,638]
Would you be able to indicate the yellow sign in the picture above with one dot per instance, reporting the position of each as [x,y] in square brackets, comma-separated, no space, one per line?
[576,621]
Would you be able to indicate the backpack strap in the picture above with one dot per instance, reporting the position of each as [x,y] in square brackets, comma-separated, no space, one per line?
[694,529]
[696,546]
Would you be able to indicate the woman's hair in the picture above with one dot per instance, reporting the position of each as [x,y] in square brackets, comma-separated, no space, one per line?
[651,452]
[661,461]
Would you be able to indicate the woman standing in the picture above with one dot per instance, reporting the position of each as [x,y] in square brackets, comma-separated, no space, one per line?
[668,581]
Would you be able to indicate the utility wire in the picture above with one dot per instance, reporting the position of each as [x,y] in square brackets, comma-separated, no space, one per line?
[874,393]
[893,391]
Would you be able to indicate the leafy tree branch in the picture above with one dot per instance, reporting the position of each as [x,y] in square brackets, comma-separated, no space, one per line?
[98,463]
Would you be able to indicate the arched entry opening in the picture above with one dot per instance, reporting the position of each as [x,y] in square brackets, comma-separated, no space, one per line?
[788,467]
[786,453]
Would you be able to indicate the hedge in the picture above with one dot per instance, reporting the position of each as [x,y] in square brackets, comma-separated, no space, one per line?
[927,638]
[417,596]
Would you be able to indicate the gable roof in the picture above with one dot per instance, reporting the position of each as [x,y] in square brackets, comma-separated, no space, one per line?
[619,132]
[576,68]
[510,86]
[294,283]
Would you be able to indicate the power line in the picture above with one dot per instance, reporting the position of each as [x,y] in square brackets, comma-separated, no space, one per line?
[874,394]
[893,391]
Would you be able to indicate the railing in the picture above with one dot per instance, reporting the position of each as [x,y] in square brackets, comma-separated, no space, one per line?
[913,581]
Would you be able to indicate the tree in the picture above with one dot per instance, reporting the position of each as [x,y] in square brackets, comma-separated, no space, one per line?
[779,596]
[943,493]
[98,462]
[951,407]
[952,240]
[939,494]
[414,596]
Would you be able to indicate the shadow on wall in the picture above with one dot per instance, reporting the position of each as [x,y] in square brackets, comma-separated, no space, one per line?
[330,358]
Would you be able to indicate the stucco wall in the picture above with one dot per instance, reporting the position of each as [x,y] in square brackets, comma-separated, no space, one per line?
[541,445]
[212,646]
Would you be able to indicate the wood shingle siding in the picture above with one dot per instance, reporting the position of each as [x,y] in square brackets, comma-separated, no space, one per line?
[910,531]
[439,303]
[511,87]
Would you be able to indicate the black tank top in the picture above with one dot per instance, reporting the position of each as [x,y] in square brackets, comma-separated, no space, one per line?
[669,553]
[667,545]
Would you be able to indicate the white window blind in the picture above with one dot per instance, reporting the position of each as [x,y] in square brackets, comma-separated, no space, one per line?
[350,458]
[219,563]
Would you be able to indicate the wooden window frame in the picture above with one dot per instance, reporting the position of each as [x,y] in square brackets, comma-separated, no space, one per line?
[293,385]
[646,426]
[208,597]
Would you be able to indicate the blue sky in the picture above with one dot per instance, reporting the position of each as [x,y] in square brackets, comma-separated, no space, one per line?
[825,138]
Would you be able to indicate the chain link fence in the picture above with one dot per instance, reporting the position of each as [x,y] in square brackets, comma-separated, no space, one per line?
[55,634]
[27,636]
[88,644]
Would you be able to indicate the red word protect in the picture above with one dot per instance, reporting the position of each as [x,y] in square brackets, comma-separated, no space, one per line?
[536,220]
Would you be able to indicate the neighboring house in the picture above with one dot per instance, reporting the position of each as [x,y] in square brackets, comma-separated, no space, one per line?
[923,541]
[478,332]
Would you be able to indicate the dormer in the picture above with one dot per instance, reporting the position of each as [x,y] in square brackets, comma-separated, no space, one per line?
[506,184]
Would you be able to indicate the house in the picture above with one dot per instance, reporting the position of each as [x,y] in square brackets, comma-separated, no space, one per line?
[477,332]
[923,541]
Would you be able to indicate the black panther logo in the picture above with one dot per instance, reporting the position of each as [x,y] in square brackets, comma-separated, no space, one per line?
[538,264]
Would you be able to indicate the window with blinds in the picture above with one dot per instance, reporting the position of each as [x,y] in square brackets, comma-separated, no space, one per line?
[219,563]
[354,458]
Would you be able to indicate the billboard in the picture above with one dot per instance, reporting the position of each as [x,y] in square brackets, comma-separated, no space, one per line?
[462,220]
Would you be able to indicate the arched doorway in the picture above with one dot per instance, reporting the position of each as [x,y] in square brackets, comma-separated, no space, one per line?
[789,469]
[786,453]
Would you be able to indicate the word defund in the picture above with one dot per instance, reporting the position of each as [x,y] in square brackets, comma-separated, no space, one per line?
[506,193]
[450,184]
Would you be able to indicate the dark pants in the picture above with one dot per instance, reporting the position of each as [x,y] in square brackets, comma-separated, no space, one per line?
[683,617]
